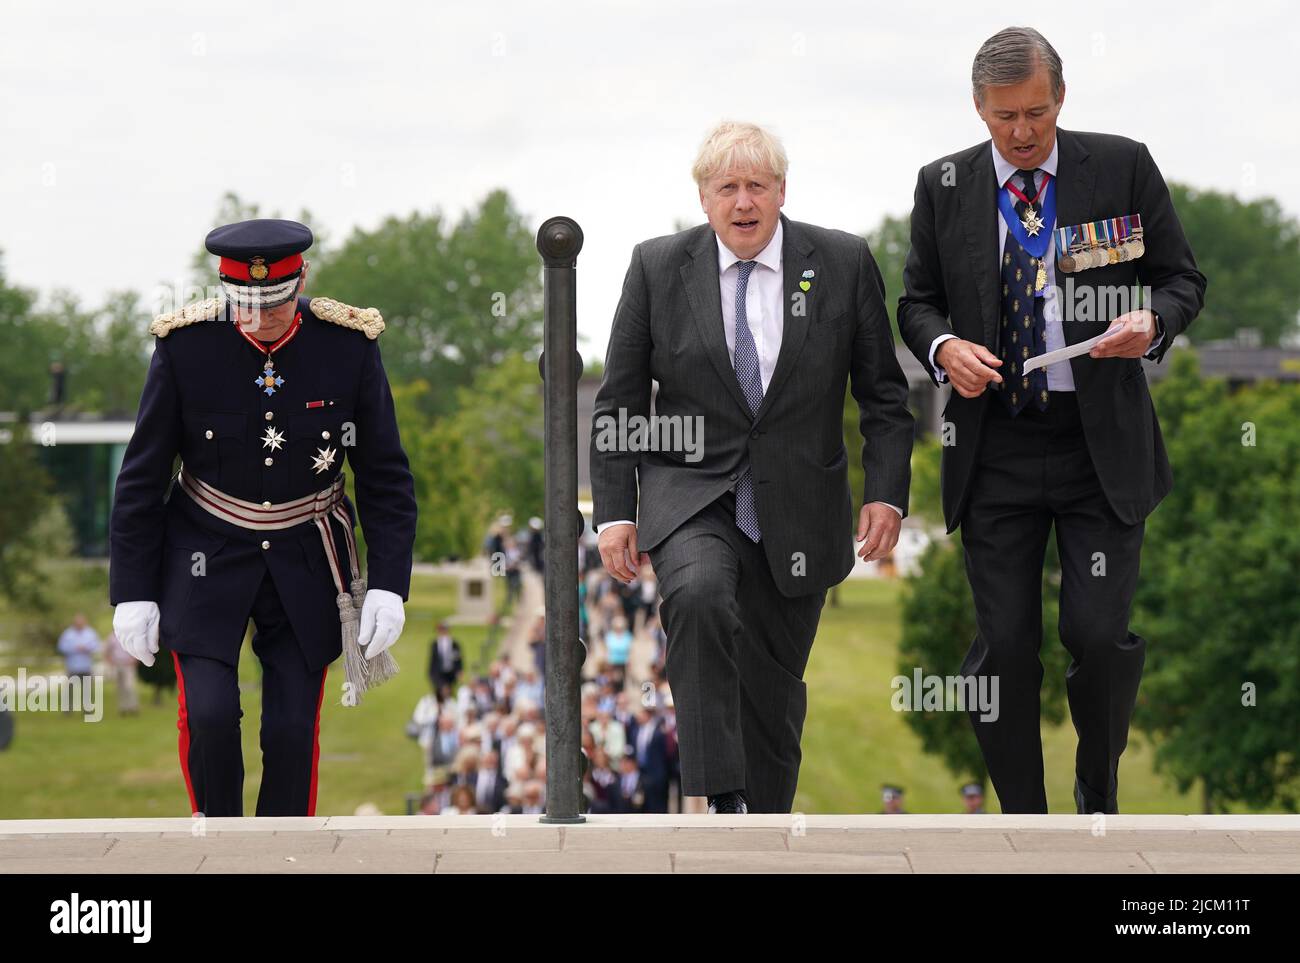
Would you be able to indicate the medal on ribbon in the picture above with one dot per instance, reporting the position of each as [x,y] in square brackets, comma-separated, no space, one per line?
[270,380]
[1033,231]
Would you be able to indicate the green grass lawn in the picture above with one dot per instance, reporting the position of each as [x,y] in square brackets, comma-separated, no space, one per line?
[61,767]
[853,741]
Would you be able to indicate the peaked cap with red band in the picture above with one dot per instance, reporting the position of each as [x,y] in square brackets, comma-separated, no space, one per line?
[261,260]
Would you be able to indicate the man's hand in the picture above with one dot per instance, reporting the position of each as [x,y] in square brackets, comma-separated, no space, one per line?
[969,366]
[382,618]
[618,552]
[1129,336]
[136,627]
[879,525]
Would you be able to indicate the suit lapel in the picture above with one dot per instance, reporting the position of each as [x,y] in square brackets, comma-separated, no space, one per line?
[977,197]
[1075,180]
[796,257]
[700,278]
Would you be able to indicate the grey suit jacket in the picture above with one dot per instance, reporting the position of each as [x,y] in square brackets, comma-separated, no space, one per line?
[668,329]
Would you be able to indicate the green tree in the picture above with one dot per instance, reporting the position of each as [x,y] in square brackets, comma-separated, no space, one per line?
[453,506]
[26,503]
[484,457]
[501,419]
[1218,600]
[890,241]
[29,346]
[457,298]
[1250,252]
[104,353]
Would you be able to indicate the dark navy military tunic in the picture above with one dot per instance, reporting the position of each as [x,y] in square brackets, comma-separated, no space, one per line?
[200,402]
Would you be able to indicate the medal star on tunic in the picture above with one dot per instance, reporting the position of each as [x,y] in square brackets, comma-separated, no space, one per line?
[272,439]
[323,459]
[1032,222]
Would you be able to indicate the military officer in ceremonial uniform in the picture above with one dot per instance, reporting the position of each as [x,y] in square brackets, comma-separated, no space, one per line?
[262,395]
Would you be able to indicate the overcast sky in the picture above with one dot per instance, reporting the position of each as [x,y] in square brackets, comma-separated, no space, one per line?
[116,124]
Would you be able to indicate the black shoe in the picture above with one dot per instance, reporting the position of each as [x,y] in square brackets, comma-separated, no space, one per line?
[728,802]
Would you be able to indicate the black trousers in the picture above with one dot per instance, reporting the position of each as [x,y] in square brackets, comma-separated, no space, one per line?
[737,650]
[210,750]
[1033,474]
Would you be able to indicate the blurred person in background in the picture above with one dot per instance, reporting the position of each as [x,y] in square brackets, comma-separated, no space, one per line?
[630,797]
[618,648]
[892,798]
[462,802]
[601,783]
[972,798]
[78,644]
[445,660]
[534,797]
[489,784]
[124,668]
[650,745]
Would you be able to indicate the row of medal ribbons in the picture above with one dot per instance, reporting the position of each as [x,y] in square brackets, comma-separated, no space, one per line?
[1099,243]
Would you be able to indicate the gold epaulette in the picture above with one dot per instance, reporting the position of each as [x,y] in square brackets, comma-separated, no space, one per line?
[165,324]
[366,320]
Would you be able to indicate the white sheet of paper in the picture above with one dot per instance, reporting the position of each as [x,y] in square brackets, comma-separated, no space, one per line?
[1064,354]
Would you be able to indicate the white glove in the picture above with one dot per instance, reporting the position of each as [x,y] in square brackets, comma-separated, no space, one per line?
[382,618]
[136,627]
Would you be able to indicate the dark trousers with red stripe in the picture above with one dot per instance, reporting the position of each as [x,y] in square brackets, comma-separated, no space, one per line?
[210,749]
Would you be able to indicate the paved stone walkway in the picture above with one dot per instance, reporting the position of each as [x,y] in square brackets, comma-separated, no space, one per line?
[532,598]
[657,844]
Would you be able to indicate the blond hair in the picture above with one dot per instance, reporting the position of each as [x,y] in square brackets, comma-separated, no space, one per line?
[733,145]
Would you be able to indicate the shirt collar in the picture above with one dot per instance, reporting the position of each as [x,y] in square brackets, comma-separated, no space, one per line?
[1004,168]
[769,257]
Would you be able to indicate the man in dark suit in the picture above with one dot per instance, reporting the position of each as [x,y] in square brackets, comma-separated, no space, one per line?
[752,325]
[445,660]
[650,745]
[1075,446]
[489,784]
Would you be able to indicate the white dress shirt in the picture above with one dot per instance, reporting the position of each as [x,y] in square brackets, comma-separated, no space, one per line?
[764,302]
[1059,375]
[764,310]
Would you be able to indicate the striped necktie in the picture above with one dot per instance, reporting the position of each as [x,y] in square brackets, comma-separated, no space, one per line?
[751,382]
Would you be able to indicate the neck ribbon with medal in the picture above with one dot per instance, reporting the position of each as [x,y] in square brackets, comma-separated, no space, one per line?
[269,380]
[1034,230]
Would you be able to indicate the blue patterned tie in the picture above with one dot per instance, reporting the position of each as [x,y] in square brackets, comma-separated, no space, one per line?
[1024,325]
[751,382]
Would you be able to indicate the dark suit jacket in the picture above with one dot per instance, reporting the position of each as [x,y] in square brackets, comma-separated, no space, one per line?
[621,802]
[496,796]
[668,328]
[438,675]
[200,402]
[951,284]
[654,767]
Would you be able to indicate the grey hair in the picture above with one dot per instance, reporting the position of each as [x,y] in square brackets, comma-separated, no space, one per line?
[1012,55]
[732,144]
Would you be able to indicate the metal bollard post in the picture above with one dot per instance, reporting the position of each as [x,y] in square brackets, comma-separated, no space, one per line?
[558,241]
